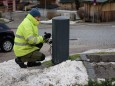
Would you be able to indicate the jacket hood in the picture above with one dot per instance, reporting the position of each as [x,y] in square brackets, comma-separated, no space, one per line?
[32,19]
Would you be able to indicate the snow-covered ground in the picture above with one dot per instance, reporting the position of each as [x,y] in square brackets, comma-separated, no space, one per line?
[67,73]
[50,22]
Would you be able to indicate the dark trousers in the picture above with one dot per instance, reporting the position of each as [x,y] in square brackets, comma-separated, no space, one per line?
[33,56]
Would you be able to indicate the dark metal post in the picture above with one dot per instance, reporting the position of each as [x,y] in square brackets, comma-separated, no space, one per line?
[60,38]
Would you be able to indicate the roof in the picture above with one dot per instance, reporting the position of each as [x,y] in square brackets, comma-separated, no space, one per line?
[48,6]
[66,1]
[94,0]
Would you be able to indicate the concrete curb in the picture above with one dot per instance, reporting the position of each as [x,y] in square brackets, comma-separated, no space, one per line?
[89,68]
[99,65]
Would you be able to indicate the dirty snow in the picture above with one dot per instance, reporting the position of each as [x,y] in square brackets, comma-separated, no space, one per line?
[67,73]
[100,50]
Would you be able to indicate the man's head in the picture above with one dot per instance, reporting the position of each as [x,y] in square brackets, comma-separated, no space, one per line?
[35,13]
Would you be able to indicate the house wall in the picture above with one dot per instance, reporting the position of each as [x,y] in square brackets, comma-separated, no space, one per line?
[42,2]
[10,5]
[108,12]
[100,12]
[67,6]
[2,8]
[108,7]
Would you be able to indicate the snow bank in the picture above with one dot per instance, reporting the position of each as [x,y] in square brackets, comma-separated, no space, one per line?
[99,50]
[50,22]
[66,73]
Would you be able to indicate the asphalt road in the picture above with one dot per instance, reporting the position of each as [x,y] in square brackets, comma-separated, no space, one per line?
[89,36]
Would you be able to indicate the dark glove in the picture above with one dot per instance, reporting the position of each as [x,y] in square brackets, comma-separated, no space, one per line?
[39,45]
[47,36]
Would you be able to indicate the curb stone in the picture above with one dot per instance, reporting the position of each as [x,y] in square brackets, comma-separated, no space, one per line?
[99,65]
[89,68]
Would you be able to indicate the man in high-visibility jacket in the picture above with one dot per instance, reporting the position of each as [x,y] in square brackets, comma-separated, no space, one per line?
[28,42]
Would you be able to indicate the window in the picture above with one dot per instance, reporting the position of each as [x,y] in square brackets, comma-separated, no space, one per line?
[3,26]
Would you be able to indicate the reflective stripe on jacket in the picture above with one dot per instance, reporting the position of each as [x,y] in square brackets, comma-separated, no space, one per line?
[27,37]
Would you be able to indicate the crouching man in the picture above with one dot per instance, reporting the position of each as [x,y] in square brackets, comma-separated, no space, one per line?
[28,42]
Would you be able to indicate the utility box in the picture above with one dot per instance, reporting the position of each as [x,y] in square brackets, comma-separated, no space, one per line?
[60,38]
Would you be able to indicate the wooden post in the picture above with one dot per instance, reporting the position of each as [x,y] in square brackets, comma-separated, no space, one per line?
[94,9]
[14,5]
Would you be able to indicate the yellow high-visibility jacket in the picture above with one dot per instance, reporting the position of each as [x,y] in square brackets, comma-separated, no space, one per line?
[27,37]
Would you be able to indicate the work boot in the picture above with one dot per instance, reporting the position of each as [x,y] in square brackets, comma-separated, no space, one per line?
[32,64]
[20,63]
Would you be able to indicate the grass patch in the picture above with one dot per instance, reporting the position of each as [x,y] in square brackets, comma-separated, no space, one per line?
[105,53]
[48,63]
[72,57]
[107,82]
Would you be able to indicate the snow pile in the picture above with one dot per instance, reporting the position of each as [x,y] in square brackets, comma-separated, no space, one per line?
[50,22]
[100,50]
[66,73]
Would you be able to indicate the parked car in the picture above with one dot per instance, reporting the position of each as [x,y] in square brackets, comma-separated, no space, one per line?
[6,38]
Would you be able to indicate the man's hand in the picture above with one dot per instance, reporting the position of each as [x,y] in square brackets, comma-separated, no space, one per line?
[47,35]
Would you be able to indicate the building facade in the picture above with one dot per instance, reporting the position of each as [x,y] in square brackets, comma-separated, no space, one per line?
[7,5]
[99,11]
[67,4]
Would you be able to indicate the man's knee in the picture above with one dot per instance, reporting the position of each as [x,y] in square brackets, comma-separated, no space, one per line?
[41,58]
